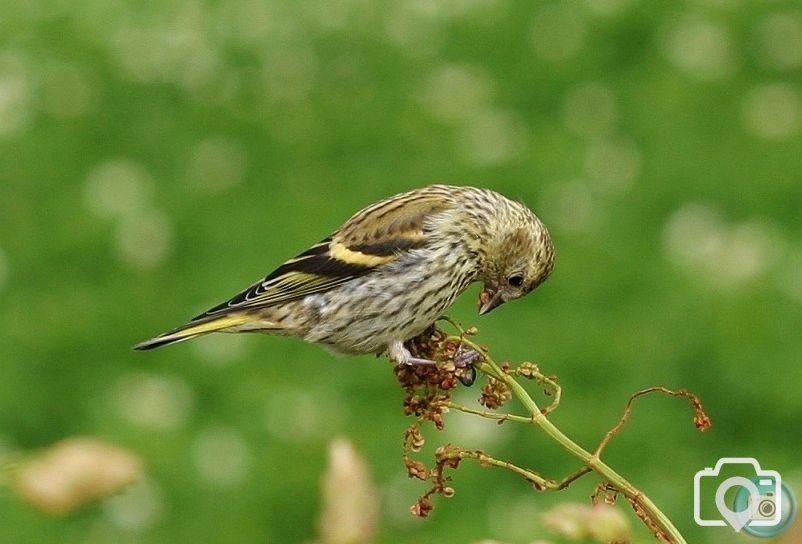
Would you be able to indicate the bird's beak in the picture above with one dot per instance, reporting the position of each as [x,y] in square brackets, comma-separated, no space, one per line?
[489,299]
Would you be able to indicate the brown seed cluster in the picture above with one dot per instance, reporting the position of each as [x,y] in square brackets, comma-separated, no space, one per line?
[604,493]
[528,370]
[427,389]
[700,418]
[494,394]
[446,457]
[434,345]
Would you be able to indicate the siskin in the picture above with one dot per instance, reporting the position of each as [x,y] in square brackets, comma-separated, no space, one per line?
[389,272]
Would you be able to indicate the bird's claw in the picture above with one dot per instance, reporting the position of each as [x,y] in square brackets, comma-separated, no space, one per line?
[466,357]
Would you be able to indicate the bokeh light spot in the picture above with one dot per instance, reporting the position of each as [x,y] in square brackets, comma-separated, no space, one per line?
[571,207]
[304,416]
[289,72]
[116,188]
[143,239]
[154,401]
[16,95]
[220,349]
[773,111]
[779,40]
[724,255]
[491,137]
[137,509]
[221,456]
[178,48]
[415,27]
[590,110]
[613,164]
[693,234]
[701,48]
[557,32]
[215,165]
[453,91]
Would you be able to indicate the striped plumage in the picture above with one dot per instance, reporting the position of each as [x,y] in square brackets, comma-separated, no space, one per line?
[389,272]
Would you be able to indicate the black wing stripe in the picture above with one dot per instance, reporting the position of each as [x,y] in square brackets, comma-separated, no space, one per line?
[332,271]
[322,265]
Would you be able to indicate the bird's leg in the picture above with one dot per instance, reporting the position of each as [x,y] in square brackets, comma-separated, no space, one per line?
[401,355]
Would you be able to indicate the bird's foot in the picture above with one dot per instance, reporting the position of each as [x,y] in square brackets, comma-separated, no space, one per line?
[466,357]
[401,356]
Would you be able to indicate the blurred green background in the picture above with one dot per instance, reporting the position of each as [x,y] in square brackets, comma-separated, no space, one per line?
[157,157]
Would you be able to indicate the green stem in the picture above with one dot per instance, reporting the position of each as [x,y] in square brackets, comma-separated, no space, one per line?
[485,413]
[654,517]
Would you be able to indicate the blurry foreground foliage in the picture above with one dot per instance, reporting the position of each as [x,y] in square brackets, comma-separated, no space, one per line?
[156,157]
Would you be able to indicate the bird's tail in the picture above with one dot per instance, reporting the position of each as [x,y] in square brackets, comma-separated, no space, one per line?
[195,328]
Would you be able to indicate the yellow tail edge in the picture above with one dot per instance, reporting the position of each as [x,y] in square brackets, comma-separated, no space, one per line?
[193,329]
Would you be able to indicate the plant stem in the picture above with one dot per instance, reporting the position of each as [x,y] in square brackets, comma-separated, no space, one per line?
[644,507]
[484,413]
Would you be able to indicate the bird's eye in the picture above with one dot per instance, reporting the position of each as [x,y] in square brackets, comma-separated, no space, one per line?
[516,280]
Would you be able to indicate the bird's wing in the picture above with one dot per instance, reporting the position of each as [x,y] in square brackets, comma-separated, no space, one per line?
[373,237]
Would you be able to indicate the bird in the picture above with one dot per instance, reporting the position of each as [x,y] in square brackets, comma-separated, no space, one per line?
[389,272]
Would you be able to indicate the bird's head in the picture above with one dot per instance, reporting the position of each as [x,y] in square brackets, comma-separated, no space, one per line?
[519,258]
